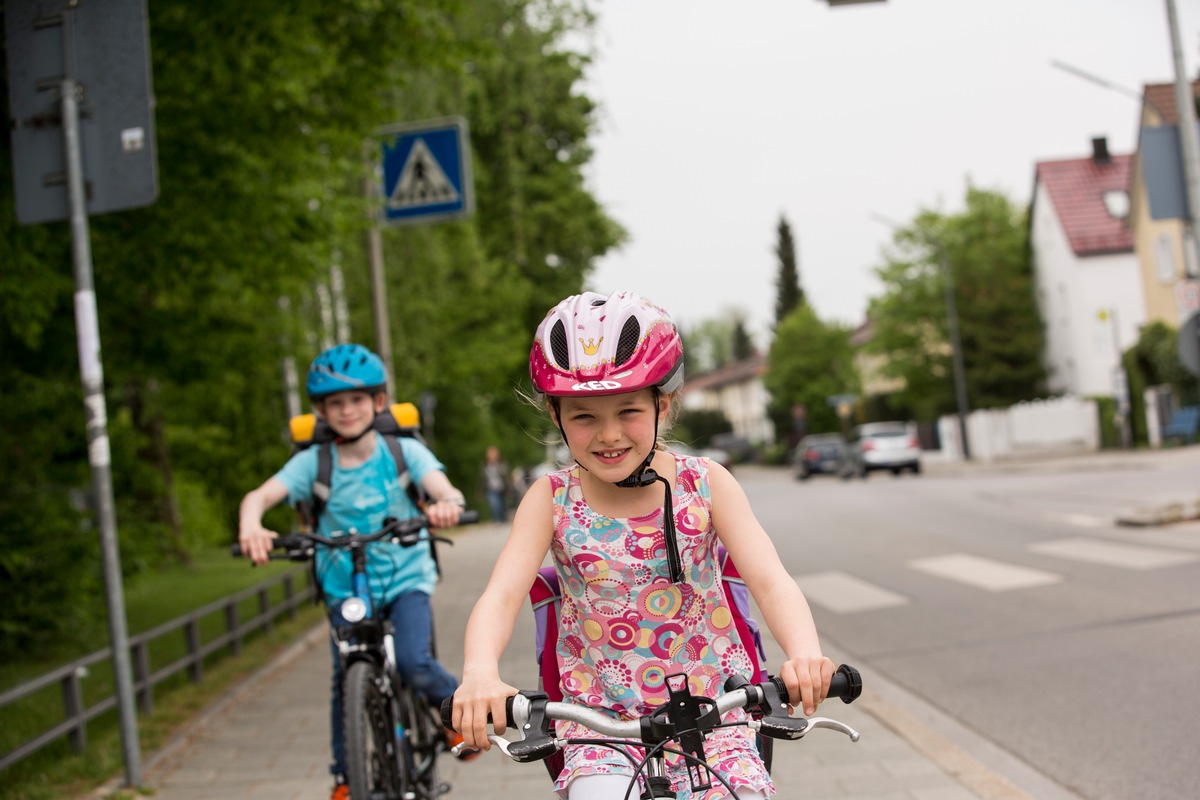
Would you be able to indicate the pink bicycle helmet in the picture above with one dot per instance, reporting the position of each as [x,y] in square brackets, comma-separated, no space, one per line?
[597,345]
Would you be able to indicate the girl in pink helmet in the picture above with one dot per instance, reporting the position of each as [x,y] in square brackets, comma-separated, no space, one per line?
[637,561]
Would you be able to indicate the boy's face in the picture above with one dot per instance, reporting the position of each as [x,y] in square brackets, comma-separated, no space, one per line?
[351,413]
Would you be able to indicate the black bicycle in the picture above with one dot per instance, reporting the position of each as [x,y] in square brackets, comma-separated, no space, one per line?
[684,719]
[393,736]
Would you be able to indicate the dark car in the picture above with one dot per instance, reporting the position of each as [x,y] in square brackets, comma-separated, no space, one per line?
[821,454]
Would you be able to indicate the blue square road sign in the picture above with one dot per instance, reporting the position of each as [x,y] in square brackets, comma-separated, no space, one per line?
[427,172]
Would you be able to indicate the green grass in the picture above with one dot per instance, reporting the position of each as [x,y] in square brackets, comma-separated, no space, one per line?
[150,599]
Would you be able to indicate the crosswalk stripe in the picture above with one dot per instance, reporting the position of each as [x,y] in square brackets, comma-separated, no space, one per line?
[845,594]
[1113,554]
[983,573]
[1079,520]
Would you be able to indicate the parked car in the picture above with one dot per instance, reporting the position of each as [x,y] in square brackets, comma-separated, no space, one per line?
[885,445]
[821,454]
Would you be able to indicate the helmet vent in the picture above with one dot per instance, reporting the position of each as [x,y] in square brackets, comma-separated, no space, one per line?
[631,333]
[558,345]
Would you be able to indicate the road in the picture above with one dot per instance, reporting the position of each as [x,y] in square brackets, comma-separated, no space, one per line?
[1007,599]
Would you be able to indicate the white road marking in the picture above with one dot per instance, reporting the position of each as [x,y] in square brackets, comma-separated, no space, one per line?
[984,573]
[1079,520]
[1128,556]
[845,594]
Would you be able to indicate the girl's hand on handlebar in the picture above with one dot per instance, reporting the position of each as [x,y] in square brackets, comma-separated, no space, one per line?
[256,542]
[807,680]
[474,702]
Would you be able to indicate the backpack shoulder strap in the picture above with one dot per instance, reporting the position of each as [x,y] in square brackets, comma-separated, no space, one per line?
[321,484]
[544,597]
[414,491]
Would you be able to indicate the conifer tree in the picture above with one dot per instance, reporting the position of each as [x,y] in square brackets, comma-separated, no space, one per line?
[789,294]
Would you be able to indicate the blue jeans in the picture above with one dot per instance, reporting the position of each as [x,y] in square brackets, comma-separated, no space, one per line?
[495,501]
[412,621]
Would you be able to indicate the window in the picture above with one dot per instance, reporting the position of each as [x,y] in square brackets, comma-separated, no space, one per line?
[1164,258]
[1117,203]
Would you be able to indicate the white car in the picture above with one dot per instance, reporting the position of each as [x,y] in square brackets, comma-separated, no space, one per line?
[885,445]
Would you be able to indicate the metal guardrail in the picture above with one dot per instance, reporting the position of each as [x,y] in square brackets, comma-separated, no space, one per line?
[69,676]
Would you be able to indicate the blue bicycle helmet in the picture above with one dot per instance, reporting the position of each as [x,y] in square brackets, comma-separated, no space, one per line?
[346,367]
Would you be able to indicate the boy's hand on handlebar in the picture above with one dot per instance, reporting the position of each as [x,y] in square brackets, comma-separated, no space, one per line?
[444,513]
[807,679]
[474,701]
[256,542]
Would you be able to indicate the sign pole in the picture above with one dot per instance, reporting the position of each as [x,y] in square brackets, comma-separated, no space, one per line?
[379,304]
[87,331]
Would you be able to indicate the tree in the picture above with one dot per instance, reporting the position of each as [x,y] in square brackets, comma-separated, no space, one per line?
[809,362]
[789,295]
[743,345]
[986,247]
[262,114]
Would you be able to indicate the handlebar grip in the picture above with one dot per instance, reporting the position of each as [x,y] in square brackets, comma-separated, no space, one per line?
[448,712]
[468,517]
[846,684]
[235,550]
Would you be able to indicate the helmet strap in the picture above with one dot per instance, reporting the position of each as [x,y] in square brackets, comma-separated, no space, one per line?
[645,476]
[641,477]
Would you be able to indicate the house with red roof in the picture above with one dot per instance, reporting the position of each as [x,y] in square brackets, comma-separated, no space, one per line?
[737,390]
[1089,283]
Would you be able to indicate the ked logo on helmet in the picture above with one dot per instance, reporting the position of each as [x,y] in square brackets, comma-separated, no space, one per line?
[595,386]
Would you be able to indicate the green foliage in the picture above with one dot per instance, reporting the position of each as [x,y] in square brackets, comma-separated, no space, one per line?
[261,117]
[986,249]
[696,427]
[1156,355]
[810,361]
[789,295]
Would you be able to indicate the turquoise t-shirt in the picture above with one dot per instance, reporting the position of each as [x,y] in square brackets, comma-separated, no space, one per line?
[361,498]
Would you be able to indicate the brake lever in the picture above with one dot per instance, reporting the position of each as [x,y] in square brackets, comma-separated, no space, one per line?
[833,724]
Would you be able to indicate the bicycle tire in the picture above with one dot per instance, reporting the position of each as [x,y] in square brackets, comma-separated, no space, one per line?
[372,770]
[426,742]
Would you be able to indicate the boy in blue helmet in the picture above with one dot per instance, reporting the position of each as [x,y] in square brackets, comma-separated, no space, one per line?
[347,385]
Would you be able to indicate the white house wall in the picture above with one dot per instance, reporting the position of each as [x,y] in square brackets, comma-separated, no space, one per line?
[1073,292]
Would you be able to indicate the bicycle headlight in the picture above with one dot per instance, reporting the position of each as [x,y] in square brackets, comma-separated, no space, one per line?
[354,609]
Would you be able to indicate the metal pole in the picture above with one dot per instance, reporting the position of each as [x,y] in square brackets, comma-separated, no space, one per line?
[1189,141]
[1121,387]
[960,375]
[87,331]
[379,309]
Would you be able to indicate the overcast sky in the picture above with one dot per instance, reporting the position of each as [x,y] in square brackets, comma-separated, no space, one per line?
[717,116]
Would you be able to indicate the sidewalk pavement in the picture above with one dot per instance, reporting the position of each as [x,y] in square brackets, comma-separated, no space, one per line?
[268,737]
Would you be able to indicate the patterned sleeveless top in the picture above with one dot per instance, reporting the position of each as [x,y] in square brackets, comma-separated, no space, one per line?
[624,627]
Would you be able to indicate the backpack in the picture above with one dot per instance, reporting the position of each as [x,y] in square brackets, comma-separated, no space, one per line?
[545,598]
[398,419]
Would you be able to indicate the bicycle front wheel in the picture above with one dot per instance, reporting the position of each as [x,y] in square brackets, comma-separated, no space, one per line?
[371,764]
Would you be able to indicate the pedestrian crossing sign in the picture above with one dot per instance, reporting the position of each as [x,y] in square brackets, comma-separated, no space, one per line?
[426,170]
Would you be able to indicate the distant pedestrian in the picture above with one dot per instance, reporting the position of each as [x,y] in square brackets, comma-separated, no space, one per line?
[494,477]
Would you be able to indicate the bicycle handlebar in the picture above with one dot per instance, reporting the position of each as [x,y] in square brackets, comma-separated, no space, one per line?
[299,546]
[532,713]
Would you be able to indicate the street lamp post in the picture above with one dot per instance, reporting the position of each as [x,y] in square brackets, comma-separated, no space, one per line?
[956,356]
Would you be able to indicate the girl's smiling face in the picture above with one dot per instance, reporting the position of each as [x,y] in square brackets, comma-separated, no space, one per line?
[612,434]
